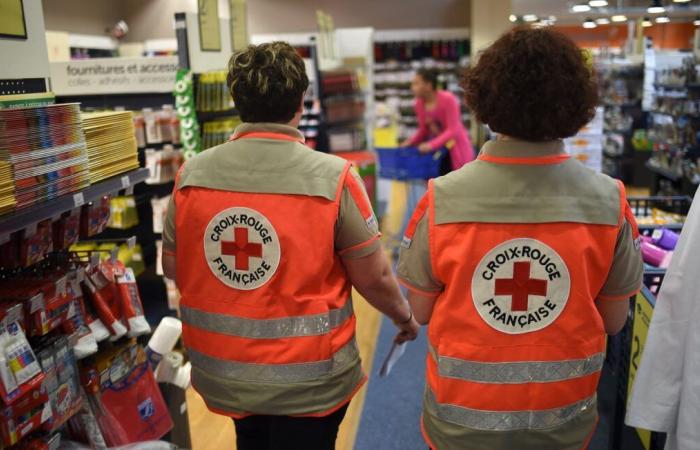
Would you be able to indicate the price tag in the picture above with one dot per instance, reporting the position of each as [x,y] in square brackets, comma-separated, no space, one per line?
[61,286]
[14,314]
[46,414]
[129,190]
[81,274]
[126,182]
[94,259]
[113,254]
[4,237]
[78,199]
[131,242]
[36,303]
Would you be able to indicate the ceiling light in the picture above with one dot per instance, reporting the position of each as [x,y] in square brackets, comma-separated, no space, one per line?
[513,18]
[619,18]
[552,18]
[646,22]
[681,1]
[598,3]
[663,19]
[696,22]
[602,21]
[581,7]
[530,18]
[656,7]
[589,23]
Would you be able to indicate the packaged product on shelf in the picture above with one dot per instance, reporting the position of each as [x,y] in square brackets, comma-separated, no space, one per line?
[36,243]
[43,150]
[131,305]
[111,143]
[140,130]
[153,129]
[66,230]
[102,289]
[123,213]
[125,398]
[163,164]
[94,218]
[25,415]
[20,372]
[160,209]
[85,343]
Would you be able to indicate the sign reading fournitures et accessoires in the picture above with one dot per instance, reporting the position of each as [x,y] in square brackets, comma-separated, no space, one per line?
[520,286]
[242,248]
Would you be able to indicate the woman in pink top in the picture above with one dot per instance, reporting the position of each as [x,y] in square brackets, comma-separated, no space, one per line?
[439,120]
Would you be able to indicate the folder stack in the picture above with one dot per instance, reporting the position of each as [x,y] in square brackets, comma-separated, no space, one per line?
[111,143]
[42,151]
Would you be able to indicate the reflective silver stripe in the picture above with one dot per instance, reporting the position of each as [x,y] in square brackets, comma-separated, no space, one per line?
[312,325]
[518,372]
[506,420]
[275,373]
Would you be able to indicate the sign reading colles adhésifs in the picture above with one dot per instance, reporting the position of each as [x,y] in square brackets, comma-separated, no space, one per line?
[114,75]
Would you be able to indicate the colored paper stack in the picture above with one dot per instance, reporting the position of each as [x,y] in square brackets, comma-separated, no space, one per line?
[7,188]
[111,143]
[45,149]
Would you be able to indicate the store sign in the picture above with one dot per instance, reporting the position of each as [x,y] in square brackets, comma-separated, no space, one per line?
[643,310]
[114,76]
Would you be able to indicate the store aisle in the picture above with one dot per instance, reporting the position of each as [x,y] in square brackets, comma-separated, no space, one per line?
[391,414]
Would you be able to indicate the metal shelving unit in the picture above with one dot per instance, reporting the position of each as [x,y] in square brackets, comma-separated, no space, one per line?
[22,218]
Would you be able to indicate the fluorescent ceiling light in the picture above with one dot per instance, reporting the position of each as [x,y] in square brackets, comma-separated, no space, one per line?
[619,18]
[656,7]
[589,24]
[646,22]
[552,18]
[598,3]
[513,18]
[602,21]
[681,1]
[663,19]
[581,7]
[696,22]
[530,18]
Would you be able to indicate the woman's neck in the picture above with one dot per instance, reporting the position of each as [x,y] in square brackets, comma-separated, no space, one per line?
[430,97]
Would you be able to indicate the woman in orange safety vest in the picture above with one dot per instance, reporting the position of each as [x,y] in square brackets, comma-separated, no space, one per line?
[265,239]
[522,261]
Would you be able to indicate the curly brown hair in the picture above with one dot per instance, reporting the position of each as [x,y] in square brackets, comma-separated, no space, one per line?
[532,84]
[267,82]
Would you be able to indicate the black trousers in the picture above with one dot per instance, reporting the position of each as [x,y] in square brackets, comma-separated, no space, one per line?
[288,433]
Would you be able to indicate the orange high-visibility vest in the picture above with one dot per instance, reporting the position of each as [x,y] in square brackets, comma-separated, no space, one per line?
[516,343]
[266,304]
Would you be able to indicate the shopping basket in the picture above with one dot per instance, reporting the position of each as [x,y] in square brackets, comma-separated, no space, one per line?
[407,163]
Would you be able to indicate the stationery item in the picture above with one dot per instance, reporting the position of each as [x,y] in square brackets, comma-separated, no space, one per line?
[396,352]
[110,138]
[655,256]
[665,238]
[163,340]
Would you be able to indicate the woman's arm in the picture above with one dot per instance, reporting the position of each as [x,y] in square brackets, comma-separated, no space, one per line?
[422,133]
[453,125]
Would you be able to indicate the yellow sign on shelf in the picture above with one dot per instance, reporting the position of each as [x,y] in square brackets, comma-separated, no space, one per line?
[643,310]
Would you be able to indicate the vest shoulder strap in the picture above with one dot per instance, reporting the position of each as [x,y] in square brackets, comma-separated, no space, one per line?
[502,193]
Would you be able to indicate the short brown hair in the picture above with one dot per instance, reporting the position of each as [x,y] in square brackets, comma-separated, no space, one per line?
[429,76]
[532,84]
[267,82]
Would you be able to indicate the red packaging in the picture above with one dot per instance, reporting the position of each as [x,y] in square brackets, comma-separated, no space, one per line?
[35,245]
[24,416]
[94,218]
[66,230]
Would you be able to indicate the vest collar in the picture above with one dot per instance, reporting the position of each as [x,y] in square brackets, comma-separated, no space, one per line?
[275,131]
[524,152]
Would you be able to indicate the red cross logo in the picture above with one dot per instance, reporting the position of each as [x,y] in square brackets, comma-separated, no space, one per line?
[241,249]
[520,286]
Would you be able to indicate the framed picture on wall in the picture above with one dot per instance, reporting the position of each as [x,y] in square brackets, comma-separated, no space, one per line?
[12,23]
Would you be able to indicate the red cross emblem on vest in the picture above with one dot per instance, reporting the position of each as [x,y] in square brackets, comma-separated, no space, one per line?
[520,286]
[241,249]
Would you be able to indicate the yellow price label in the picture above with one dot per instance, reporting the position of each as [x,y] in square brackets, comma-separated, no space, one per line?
[640,329]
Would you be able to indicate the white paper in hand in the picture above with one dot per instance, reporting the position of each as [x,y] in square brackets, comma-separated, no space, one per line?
[397,350]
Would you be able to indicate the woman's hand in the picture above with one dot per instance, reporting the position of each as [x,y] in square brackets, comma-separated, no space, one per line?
[425,148]
[406,143]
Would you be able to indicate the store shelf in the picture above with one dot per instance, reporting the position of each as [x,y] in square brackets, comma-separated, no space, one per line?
[664,172]
[28,216]
[678,87]
[205,116]
[676,116]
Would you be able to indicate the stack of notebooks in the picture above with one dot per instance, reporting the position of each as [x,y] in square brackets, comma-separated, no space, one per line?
[7,188]
[111,143]
[42,150]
